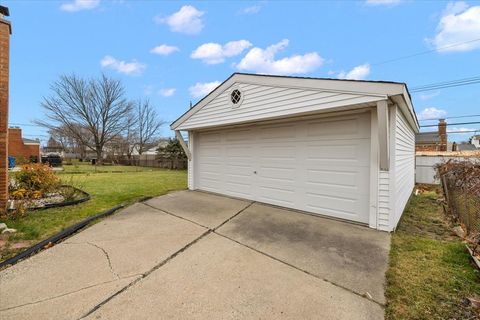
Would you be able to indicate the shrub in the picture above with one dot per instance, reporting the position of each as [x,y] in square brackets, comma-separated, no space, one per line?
[34,180]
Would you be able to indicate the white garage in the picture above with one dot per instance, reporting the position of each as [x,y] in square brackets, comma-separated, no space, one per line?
[337,148]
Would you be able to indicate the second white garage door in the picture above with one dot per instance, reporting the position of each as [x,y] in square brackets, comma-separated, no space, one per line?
[321,165]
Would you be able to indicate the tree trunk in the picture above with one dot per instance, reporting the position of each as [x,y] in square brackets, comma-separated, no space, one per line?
[99,155]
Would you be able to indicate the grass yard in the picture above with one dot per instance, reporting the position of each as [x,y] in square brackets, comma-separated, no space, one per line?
[107,189]
[430,274]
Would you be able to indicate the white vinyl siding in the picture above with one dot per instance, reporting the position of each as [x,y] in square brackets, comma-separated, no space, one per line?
[319,165]
[263,102]
[404,165]
[383,201]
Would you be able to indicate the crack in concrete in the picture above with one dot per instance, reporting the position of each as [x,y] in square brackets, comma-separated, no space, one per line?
[143,276]
[68,293]
[108,258]
[169,258]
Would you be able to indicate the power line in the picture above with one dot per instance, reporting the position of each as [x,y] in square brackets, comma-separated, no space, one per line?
[455,131]
[451,124]
[424,52]
[463,131]
[446,84]
[456,117]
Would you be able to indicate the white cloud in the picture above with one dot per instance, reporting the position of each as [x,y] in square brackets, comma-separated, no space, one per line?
[164,49]
[383,2]
[130,68]
[428,96]
[78,5]
[458,23]
[167,92]
[202,89]
[432,113]
[263,61]
[214,53]
[187,20]
[358,73]
[459,130]
[252,9]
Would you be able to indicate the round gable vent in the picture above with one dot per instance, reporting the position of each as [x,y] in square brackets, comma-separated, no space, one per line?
[236,97]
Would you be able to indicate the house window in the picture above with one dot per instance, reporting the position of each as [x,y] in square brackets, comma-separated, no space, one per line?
[236,96]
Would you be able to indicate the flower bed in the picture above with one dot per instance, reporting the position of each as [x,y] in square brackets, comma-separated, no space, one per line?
[36,186]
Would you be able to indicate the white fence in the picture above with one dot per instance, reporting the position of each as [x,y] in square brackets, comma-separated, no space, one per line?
[425,167]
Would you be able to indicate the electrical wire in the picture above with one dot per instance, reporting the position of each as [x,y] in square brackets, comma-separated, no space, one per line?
[446,84]
[424,52]
[455,117]
[450,124]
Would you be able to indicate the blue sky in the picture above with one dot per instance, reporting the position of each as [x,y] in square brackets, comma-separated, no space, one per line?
[175,52]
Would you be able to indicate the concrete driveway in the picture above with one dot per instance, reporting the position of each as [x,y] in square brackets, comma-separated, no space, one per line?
[193,255]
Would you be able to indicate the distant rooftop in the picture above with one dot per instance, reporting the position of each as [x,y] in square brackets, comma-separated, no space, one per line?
[25,140]
[427,137]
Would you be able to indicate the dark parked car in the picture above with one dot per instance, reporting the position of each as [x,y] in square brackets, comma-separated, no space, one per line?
[53,160]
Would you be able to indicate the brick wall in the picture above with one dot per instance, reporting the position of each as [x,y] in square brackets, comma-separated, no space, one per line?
[426,147]
[4,78]
[20,150]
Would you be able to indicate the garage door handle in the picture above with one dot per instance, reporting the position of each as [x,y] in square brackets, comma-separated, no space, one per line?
[255,172]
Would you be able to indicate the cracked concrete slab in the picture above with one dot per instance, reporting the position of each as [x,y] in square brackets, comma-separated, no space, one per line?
[53,272]
[127,244]
[352,256]
[138,238]
[69,306]
[203,208]
[217,278]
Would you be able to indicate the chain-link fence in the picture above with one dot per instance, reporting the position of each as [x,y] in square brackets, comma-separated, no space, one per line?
[461,185]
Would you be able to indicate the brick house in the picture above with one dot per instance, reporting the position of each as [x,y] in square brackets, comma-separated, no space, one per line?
[5,31]
[434,140]
[21,148]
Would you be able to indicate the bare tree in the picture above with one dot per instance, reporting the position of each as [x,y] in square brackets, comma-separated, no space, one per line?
[147,125]
[93,111]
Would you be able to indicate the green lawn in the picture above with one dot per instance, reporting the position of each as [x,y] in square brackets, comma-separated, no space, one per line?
[107,189]
[431,273]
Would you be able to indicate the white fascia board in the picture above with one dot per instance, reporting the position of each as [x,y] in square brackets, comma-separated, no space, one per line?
[405,104]
[369,88]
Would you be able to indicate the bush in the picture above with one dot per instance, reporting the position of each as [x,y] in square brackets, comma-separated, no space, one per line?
[33,181]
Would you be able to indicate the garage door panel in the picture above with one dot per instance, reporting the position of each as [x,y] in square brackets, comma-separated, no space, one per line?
[210,137]
[236,136]
[277,173]
[343,128]
[348,211]
[239,189]
[276,195]
[339,181]
[321,166]
[278,133]
[345,152]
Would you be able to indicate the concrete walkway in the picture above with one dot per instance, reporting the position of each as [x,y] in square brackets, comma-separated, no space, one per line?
[193,255]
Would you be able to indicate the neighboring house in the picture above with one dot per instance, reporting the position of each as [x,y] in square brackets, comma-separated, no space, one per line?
[475,140]
[464,147]
[53,146]
[338,148]
[434,140]
[22,148]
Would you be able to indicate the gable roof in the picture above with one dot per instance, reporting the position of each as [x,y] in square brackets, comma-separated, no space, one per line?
[427,137]
[397,91]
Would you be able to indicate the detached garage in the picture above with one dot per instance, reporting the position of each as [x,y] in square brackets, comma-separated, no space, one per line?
[337,148]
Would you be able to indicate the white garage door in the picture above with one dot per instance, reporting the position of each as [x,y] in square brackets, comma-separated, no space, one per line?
[321,165]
